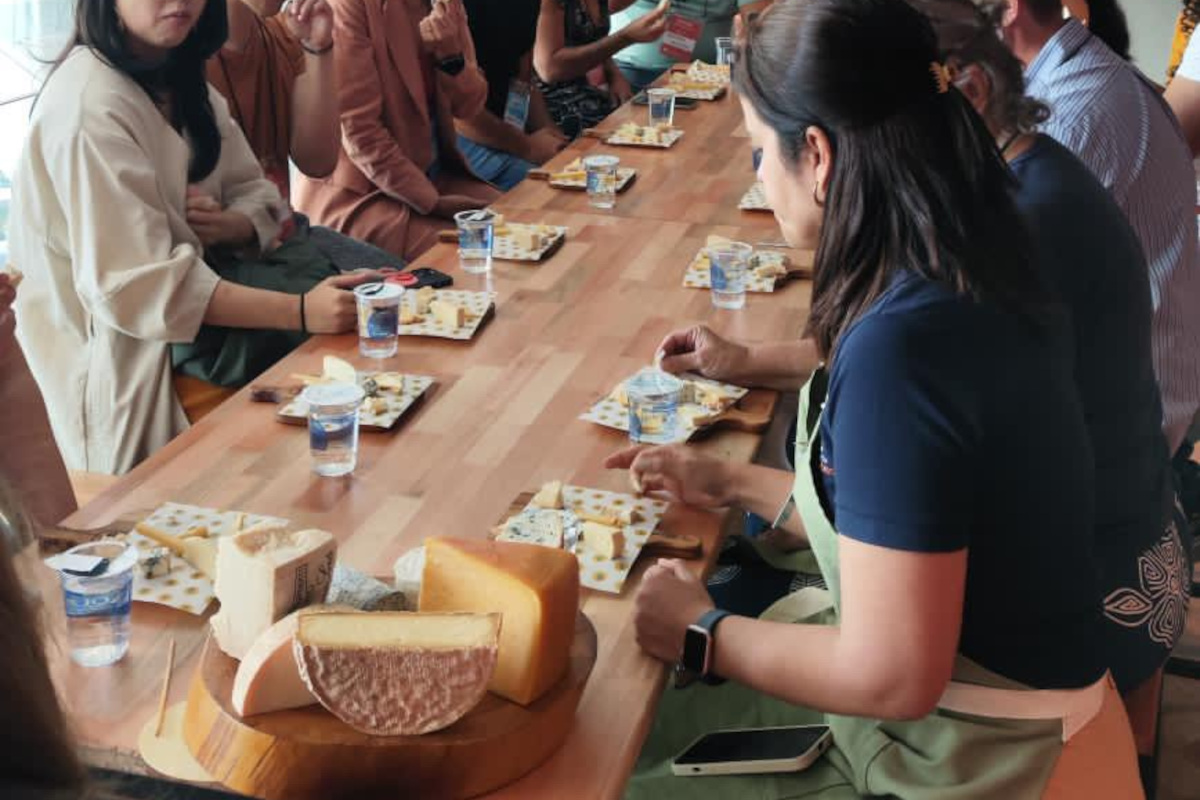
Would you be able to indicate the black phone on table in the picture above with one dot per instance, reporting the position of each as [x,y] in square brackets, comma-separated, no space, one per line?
[640,99]
[744,751]
[420,277]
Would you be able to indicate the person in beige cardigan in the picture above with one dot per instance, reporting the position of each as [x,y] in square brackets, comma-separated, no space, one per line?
[131,168]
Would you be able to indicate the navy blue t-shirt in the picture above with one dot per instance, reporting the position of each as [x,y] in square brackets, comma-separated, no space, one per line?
[951,424]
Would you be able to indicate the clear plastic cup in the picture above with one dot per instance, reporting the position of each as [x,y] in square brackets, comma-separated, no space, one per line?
[333,427]
[724,50]
[601,180]
[378,318]
[476,231]
[727,267]
[98,606]
[661,103]
[654,398]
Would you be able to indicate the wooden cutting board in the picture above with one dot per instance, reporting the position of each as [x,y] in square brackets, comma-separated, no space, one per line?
[309,754]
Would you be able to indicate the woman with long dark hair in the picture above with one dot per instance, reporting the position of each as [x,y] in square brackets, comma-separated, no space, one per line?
[943,477]
[133,169]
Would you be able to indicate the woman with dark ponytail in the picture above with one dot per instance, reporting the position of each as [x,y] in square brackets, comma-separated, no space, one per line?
[132,175]
[943,477]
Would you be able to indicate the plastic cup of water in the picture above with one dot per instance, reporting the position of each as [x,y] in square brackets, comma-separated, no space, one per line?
[476,231]
[98,606]
[654,398]
[727,267]
[333,427]
[661,103]
[724,50]
[601,180]
[378,318]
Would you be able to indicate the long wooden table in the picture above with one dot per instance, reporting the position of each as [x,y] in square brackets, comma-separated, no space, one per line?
[500,420]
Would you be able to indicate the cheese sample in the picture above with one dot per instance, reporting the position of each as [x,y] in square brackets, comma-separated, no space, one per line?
[528,238]
[536,589]
[569,176]
[424,297]
[542,526]
[397,673]
[262,574]
[340,371]
[604,540]
[549,496]
[157,564]
[449,314]
[201,554]
[268,679]
[408,317]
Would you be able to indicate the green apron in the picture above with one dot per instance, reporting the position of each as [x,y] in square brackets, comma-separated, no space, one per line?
[944,756]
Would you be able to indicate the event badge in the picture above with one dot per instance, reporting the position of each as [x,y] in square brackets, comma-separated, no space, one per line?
[679,40]
[516,108]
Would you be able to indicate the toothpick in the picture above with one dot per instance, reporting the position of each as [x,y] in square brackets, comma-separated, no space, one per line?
[166,688]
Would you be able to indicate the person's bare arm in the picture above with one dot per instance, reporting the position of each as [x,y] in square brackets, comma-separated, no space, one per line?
[1183,95]
[556,62]
[329,307]
[783,365]
[315,124]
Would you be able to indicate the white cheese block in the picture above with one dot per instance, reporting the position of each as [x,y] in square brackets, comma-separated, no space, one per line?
[340,371]
[528,238]
[543,526]
[268,679]
[549,496]
[424,296]
[604,541]
[397,673]
[264,573]
[449,314]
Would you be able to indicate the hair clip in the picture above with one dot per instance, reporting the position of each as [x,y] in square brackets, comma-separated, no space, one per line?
[943,76]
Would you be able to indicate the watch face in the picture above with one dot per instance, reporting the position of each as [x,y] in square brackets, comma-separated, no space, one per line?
[695,650]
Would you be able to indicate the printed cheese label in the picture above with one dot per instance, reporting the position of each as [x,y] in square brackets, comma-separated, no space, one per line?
[681,36]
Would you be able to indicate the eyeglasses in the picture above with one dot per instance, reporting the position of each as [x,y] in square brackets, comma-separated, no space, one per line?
[756,156]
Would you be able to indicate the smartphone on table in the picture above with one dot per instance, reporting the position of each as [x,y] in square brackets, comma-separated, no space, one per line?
[747,751]
[686,103]
[419,278]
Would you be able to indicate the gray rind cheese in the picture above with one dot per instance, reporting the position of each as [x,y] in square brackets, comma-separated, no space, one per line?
[397,673]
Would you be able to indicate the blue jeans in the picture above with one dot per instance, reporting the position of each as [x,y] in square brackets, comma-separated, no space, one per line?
[639,77]
[504,170]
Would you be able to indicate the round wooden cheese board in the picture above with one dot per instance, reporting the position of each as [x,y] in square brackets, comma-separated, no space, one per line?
[309,753]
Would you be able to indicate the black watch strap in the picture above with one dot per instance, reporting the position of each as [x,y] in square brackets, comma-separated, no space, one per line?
[452,65]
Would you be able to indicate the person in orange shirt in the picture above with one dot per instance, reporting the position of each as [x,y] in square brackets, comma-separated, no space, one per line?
[406,72]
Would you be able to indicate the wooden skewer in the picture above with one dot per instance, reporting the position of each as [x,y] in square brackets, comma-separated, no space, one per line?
[166,688]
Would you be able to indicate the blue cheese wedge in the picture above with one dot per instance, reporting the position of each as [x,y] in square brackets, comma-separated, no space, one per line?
[535,526]
[157,564]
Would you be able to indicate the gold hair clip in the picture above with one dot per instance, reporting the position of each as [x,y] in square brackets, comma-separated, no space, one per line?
[943,76]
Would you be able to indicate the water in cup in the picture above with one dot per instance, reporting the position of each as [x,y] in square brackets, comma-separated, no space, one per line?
[98,606]
[333,427]
[601,180]
[653,406]
[727,266]
[476,231]
[378,318]
[661,103]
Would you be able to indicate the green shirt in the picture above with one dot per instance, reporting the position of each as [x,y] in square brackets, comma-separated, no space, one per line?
[718,21]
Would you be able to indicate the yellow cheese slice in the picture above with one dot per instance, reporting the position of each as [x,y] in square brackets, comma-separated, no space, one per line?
[340,371]
[549,496]
[449,314]
[604,540]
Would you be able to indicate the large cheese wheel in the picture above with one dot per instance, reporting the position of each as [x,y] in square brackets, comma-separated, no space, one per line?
[534,588]
[393,673]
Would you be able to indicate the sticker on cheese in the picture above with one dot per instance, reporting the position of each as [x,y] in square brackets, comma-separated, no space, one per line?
[397,673]
[262,574]
[535,588]
[268,679]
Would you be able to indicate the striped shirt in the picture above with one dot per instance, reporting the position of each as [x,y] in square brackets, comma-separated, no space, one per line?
[1107,113]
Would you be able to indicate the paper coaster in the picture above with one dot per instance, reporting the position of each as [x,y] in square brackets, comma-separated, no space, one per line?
[698,275]
[505,248]
[184,587]
[478,305]
[624,176]
[691,416]
[380,412]
[628,138]
[595,571]
[755,199]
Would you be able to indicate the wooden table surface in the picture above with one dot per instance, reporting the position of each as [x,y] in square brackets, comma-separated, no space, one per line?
[501,419]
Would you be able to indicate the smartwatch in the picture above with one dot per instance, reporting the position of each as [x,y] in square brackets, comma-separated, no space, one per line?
[452,65]
[699,647]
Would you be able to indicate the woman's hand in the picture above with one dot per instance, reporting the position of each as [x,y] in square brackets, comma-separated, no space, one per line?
[648,27]
[679,471]
[669,600]
[440,29]
[311,21]
[619,88]
[330,307]
[699,350]
[544,144]
[214,225]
